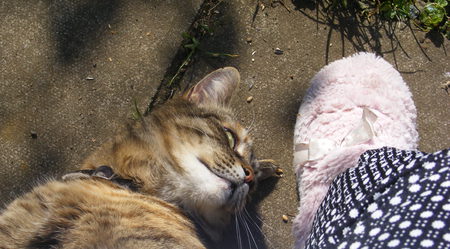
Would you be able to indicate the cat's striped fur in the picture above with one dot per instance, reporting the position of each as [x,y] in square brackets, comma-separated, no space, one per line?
[188,158]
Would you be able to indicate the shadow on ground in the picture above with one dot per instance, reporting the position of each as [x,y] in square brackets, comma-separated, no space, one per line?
[364,34]
[72,70]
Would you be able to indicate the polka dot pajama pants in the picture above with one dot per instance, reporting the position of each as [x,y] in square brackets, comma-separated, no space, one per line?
[392,199]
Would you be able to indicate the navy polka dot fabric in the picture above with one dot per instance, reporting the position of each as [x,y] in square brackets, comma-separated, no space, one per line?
[392,199]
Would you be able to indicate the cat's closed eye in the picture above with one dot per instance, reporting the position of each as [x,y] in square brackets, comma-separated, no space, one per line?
[231,137]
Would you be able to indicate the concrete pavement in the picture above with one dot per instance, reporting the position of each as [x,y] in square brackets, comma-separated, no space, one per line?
[70,71]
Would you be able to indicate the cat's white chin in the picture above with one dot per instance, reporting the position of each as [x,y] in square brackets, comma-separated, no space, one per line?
[199,187]
[210,199]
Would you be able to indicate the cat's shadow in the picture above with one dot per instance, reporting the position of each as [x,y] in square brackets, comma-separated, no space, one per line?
[244,231]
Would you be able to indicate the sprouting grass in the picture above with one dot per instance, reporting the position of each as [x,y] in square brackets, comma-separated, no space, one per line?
[194,46]
[426,14]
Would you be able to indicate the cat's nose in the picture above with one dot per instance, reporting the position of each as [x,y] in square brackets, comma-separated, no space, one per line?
[249,175]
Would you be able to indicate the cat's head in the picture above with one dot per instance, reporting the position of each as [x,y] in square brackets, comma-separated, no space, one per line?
[191,152]
[213,165]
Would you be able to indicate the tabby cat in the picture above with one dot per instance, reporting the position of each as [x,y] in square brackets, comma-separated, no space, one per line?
[189,158]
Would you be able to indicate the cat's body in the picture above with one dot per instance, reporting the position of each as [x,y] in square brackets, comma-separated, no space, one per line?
[189,157]
[93,213]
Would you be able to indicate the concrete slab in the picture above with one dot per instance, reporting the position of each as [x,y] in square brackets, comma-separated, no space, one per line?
[70,71]
[48,50]
[278,82]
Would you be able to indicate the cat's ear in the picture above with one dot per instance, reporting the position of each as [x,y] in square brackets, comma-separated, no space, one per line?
[216,88]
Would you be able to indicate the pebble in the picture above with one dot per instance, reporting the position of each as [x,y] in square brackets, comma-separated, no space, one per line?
[249,99]
[278,51]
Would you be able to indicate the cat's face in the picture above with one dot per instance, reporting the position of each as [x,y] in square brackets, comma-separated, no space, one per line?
[214,165]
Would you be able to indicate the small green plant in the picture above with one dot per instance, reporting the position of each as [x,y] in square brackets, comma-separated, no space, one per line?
[136,114]
[396,9]
[426,14]
[434,16]
[193,45]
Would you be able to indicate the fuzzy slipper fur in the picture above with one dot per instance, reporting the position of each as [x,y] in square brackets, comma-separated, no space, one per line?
[330,116]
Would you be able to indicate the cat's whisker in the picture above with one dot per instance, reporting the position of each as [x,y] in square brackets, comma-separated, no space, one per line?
[267,225]
[246,230]
[267,161]
[251,126]
[247,227]
[238,232]
[252,221]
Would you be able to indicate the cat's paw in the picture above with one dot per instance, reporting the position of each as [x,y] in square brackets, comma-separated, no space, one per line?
[268,168]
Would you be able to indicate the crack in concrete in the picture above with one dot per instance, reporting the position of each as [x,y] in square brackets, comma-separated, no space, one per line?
[205,18]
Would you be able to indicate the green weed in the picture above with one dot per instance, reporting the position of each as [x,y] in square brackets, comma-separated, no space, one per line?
[426,14]
[193,46]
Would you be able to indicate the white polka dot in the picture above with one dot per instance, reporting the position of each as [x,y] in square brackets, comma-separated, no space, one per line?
[355,245]
[366,181]
[437,198]
[445,184]
[376,196]
[435,177]
[360,196]
[393,243]
[406,203]
[415,207]
[377,214]
[446,237]
[405,224]
[443,169]
[374,231]
[333,212]
[331,240]
[426,214]
[385,180]
[446,207]
[359,229]
[428,165]
[346,231]
[414,188]
[394,218]
[415,233]
[427,243]
[384,236]
[438,224]
[372,207]
[388,172]
[426,193]
[342,245]
[354,213]
[410,165]
[413,178]
[395,201]
[376,176]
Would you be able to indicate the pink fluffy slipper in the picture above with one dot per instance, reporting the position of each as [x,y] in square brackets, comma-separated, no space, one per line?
[354,104]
